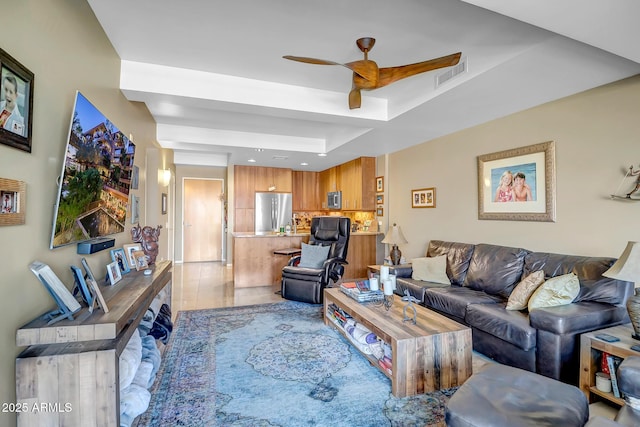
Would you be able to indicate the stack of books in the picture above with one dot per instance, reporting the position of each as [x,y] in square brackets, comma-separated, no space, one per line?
[359,291]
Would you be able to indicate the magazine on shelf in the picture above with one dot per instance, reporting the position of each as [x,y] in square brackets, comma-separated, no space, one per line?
[613,363]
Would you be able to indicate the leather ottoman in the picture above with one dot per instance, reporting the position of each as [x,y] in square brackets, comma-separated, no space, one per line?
[503,396]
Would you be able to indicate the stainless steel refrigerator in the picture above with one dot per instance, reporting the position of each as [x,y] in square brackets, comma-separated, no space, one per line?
[273,210]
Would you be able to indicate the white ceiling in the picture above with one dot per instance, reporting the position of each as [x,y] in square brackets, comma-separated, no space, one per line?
[212,75]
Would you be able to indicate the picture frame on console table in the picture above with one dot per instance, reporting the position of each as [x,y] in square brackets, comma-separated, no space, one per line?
[533,198]
[16,81]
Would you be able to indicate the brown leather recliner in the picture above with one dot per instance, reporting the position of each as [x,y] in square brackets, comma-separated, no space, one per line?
[307,284]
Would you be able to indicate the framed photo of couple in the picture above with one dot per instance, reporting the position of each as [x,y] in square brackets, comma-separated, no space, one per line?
[518,184]
[16,103]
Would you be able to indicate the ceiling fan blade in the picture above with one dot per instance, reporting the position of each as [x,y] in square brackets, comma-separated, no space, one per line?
[366,69]
[355,98]
[392,74]
[311,60]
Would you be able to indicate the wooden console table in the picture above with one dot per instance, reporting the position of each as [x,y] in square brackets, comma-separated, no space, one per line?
[72,367]
[433,354]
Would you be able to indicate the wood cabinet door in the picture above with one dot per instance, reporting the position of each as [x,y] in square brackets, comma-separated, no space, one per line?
[245,183]
[305,191]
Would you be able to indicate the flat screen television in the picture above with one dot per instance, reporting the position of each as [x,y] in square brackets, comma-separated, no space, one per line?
[93,189]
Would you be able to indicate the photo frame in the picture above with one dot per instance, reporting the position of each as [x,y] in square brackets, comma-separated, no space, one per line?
[82,286]
[163,203]
[140,260]
[379,211]
[379,184]
[379,199]
[135,177]
[531,195]
[98,295]
[113,270]
[12,202]
[129,249]
[120,257]
[87,271]
[423,198]
[135,209]
[16,82]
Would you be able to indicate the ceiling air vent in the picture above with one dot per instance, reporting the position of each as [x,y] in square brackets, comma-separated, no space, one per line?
[459,68]
[280,157]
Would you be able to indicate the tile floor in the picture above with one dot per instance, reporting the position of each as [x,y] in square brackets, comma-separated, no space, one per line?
[210,285]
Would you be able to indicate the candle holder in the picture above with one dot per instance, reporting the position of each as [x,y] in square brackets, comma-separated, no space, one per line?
[388,301]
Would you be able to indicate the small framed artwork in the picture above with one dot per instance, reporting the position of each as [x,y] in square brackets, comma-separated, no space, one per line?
[379,199]
[135,209]
[82,286]
[129,249]
[140,260]
[379,184]
[98,295]
[423,198]
[379,211]
[16,103]
[12,202]
[518,184]
[113,270]
[119,257]
[135,177]
[163,203]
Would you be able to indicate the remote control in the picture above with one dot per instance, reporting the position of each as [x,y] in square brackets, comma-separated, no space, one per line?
[607,338]
[635,347]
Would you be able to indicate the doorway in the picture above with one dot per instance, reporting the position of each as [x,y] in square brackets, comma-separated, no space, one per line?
[203,219]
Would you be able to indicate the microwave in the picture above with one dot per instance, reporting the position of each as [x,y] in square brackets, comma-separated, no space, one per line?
[334,200]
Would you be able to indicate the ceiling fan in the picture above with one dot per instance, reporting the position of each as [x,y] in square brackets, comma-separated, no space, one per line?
[367,75]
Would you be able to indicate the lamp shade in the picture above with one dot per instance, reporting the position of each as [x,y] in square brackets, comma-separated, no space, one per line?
[394,236]
[627,267]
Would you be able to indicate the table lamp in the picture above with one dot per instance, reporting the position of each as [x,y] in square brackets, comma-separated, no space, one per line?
[394,237]
[627,268]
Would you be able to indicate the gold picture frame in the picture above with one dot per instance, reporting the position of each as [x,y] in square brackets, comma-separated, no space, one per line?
[13,202]
[423,198]
[379,184]
[532,198]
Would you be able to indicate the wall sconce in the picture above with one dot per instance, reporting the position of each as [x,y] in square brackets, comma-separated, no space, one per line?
[164,176]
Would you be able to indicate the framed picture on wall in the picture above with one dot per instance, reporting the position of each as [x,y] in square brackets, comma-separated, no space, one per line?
[423,198]
[16,103]
[379,184]
[379,211]
[379,199]
[518,184]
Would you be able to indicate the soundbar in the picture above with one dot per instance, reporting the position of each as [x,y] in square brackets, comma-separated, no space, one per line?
[97,245]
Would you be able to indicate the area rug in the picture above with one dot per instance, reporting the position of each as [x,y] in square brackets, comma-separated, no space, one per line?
[275,365]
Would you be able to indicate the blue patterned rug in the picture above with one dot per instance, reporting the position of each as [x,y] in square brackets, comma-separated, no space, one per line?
[275,365]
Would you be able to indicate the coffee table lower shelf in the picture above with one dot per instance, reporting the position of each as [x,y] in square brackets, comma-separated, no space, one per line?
[434,354]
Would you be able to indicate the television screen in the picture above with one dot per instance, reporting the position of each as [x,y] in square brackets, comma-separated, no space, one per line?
[93,190]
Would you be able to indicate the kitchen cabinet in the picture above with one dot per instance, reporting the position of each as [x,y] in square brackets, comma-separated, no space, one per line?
[305,191]
[356,180]
[273,179]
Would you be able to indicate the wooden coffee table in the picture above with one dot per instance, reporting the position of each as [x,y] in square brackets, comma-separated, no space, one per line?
[434,354]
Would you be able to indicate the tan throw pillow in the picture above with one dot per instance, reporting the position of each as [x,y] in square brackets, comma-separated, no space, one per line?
[522,292]
[559,290]
[430,269]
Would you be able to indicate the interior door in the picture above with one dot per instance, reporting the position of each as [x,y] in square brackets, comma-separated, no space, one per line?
[202,228]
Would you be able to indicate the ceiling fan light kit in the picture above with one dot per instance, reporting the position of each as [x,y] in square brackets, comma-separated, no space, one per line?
[367,75]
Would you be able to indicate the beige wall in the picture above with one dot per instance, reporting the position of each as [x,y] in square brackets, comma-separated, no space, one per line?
[61,42]
[597,137]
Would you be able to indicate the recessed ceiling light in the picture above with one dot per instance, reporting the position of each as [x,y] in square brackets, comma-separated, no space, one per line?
[304,164]
[322,154]
[259,149]
[251,160]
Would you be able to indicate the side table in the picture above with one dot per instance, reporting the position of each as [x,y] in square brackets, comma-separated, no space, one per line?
[591,349]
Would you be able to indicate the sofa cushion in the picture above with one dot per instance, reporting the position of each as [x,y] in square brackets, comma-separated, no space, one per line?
[433,269]
[522,292]
[593,286]
[495,269]
[577,317]
[510,326]
[416,288]
[458,258]
[559,290]
[455,299]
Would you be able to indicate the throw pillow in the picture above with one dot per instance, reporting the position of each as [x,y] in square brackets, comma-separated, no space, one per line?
[312,256]
[559,290]
[522,292]
[431,269]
